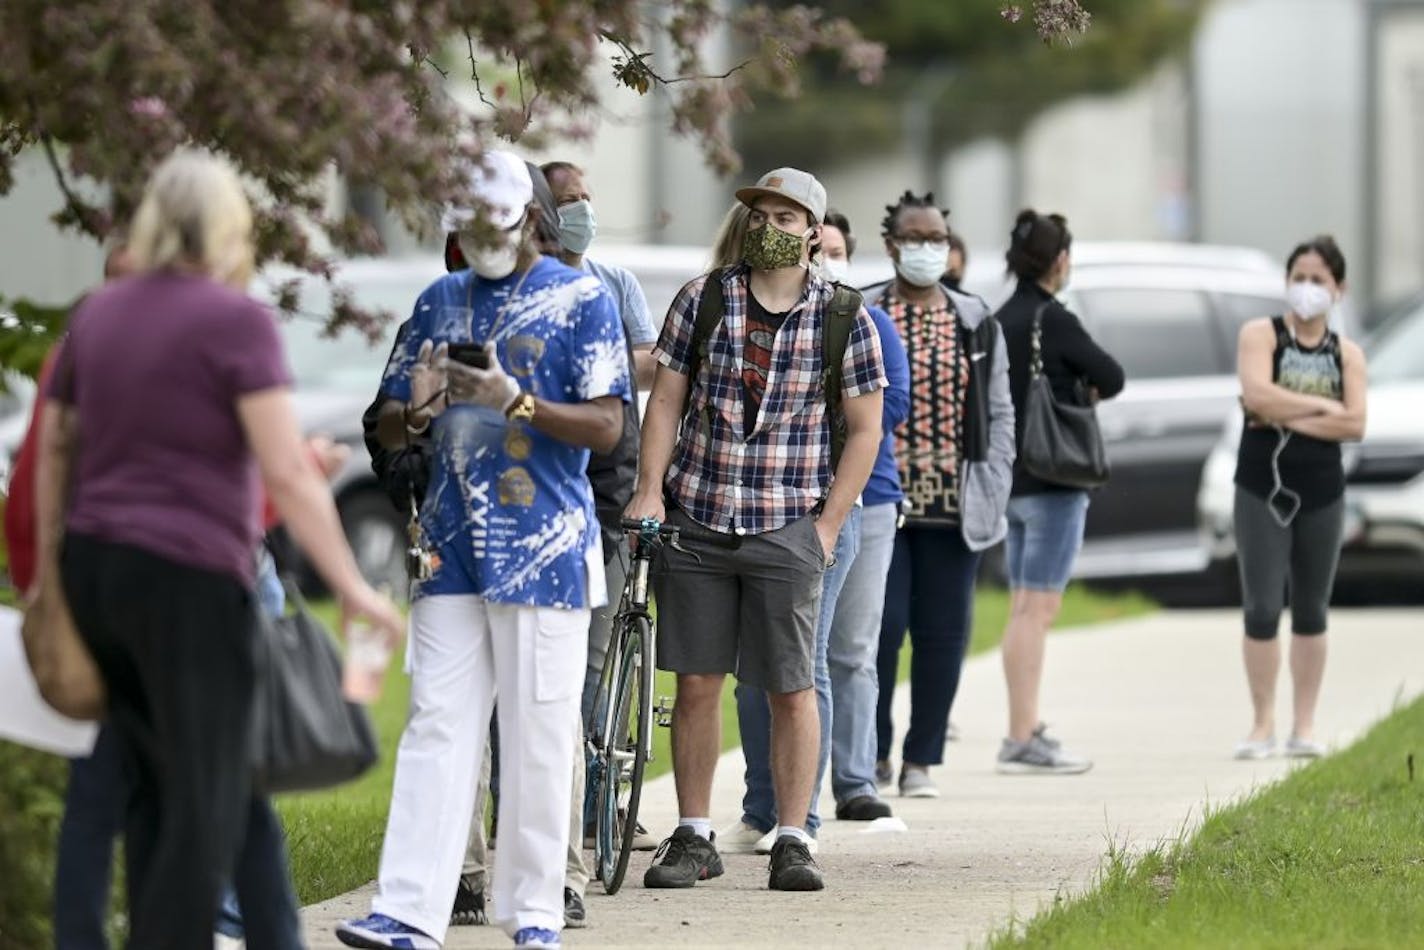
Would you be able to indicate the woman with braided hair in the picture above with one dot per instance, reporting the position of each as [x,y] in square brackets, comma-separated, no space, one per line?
[955,454]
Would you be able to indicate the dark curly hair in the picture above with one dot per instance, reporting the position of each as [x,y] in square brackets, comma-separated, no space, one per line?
[1035,243]
[908,200]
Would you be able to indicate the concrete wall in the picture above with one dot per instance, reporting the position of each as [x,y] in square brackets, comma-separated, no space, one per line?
[1399,159]
[1280,92]
[37,261]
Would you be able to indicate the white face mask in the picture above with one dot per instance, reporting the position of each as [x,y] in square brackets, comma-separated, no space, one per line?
[491,263]
[922,266]
[1309,301]
[835,268]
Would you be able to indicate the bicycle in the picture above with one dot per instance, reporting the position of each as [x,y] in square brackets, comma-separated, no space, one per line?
[621,749]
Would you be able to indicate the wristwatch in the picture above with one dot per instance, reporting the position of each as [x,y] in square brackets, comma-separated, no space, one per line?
[522,409]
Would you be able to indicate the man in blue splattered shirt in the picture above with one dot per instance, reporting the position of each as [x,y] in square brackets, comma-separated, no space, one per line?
[517,367]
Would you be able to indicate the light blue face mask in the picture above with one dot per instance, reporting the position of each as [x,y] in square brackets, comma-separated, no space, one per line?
[577,226]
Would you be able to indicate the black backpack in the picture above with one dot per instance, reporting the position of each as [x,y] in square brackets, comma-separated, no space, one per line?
[835,336]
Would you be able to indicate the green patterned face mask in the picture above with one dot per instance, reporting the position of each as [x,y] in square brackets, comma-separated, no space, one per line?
[768,248]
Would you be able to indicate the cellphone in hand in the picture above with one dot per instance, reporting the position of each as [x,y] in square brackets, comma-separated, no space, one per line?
[471,354]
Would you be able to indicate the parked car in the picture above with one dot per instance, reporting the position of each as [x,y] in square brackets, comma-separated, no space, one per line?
[1383,544]
[1170,314]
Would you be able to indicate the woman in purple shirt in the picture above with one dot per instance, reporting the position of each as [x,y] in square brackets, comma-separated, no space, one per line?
[171,395]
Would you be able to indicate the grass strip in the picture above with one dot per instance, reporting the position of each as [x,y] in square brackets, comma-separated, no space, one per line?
[1331,856]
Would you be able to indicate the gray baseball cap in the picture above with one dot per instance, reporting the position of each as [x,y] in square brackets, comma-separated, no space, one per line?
[792,184]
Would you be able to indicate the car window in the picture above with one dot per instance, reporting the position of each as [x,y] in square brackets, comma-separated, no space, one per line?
[1398,354]
[1236,309]
[1154,333]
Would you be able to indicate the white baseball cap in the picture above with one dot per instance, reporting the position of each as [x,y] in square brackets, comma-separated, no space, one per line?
[500,181]
[792,184]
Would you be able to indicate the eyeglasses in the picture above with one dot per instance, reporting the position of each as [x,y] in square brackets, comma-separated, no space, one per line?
[917,244]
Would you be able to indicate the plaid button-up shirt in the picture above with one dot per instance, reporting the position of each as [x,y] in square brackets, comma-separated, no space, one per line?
[750,483]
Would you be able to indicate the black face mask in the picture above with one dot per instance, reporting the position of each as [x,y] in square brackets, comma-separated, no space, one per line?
[951,281]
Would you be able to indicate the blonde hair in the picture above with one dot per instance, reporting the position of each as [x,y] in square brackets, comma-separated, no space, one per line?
[195,215]
[727,245]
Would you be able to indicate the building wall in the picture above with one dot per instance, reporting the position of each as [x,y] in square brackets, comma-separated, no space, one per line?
[1398,168]
[37,261]
[1280,95]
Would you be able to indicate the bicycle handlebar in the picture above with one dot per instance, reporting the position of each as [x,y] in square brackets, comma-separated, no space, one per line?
[695,533]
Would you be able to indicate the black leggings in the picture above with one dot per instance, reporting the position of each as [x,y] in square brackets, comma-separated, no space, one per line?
[1298,560]
[176,646]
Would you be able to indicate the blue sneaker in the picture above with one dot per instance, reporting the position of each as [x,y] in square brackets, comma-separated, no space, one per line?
[537,937]
[379,931]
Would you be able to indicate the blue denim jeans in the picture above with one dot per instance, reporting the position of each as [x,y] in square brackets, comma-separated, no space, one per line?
[754,712]
[854,644]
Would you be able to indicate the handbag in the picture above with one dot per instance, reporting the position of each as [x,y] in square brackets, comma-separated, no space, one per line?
[306,735]
[1061,442]
[64,671]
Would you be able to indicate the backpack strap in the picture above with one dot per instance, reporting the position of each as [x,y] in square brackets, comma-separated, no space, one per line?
[711,305]
[835,337]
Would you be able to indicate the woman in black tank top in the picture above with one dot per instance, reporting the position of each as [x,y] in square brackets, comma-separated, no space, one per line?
[1303,392]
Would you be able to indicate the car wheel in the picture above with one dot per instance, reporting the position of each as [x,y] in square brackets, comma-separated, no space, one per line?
[376,533]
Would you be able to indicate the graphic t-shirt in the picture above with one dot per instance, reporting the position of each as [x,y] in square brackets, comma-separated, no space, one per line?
[509,512]
[762,326]
[1310,467]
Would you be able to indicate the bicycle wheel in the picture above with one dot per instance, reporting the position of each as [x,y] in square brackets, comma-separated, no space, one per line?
[627,756]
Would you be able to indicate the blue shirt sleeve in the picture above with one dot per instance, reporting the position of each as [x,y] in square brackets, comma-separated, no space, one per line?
[601,360]
[637,321]
[897,370]
[395,382]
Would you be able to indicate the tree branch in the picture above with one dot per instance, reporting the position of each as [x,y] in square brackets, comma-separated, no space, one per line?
[475,70]
[75,204]
[632,65]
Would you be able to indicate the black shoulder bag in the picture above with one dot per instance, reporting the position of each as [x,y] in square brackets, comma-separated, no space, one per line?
[1061,442]
[306,735]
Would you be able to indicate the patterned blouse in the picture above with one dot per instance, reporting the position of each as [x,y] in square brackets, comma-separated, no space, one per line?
[927,445]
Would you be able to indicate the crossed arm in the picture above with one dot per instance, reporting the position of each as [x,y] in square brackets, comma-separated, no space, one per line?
[1315,416]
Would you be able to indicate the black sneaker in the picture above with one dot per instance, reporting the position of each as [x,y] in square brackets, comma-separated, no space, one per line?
[574,914]
[683,860]
[792,867]
[469,906]
[862,808]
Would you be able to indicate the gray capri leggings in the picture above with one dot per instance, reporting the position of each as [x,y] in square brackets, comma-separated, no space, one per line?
[1299,560]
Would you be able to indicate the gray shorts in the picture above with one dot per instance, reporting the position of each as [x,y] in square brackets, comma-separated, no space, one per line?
[751,611]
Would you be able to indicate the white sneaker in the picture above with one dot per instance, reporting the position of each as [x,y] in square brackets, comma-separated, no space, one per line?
[1304,748]
[222,941]
[1248,749]
[743,839]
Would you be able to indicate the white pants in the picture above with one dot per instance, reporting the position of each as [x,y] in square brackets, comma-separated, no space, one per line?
[463,652]
[476,863]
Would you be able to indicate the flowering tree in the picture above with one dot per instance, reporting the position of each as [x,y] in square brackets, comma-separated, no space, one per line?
[292,91]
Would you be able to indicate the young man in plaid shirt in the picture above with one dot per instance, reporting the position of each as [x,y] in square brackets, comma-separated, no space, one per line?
[752,457]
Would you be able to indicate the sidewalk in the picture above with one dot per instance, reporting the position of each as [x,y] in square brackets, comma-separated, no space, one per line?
[1158,703]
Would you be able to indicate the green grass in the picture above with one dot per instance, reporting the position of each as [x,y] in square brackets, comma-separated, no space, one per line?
[335,837]
[1332,856]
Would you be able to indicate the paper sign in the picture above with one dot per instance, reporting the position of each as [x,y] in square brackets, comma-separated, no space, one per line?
[25,717]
